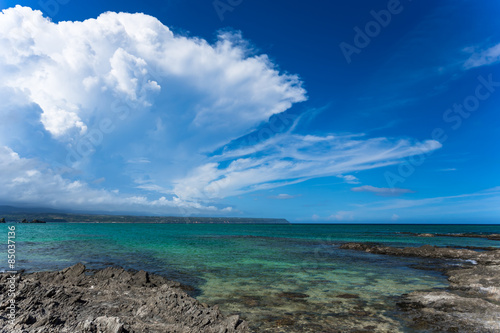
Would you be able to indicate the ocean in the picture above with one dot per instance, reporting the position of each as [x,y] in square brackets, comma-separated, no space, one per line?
[281,278]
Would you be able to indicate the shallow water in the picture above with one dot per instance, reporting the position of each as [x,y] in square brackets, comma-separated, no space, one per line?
[281,278]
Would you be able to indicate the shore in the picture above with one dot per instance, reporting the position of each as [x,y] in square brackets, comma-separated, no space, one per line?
[111,300]
[470,304]
[114,300]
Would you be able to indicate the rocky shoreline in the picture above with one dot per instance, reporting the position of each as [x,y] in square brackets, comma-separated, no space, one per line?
[114,300]
[111,300]
[468,235]
[470,304]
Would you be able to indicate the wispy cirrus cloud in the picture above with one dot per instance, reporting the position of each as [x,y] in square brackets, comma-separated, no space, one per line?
[489,196]
[483,57]
[283,196]
[382,191]
[339,216]
[291,158]
[483,205]
[448,169]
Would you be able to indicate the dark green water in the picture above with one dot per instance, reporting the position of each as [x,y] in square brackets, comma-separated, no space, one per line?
[249,269]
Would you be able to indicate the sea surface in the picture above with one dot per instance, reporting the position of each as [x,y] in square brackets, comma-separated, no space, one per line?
[281,278]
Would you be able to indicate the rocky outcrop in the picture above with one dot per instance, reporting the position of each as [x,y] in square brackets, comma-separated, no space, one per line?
[111,300]
[470,235]
[470,304]
[32,221]
[37,221]
[442,311]
[428,251]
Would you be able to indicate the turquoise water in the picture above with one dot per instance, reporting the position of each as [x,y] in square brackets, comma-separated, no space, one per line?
[282,278]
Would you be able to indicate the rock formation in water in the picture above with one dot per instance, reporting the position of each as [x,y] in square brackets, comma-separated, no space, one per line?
[470,304]
[467,234]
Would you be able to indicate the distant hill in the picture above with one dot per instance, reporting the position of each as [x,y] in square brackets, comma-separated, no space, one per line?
[21,210]
[17,214]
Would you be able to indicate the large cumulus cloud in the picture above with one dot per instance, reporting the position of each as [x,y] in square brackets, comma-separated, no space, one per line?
[119,113]
[74,71]
[124,84]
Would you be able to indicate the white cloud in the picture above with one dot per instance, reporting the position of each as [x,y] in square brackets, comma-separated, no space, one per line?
[342,215]
[493,193]
[75,71]
[483,205]
[289,158]
[139,160]
[383,191]
[123,100]
[350,179]
[30,183]
[123,87]
[483,57]
[493,189]
[283,196]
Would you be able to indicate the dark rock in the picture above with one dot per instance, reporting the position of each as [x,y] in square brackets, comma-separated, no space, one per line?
[291,295]
[427,251]
[252,301]
[442,311]
[73,271]
[32,221]
[348,296]
[111,300]
[470,235]
[141,278]
[286,321]
[472,302]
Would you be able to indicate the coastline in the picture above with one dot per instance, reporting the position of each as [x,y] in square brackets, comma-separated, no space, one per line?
[110,300]
[471,303]
[289,307]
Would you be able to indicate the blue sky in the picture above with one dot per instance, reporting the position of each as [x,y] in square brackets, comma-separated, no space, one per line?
[360,111]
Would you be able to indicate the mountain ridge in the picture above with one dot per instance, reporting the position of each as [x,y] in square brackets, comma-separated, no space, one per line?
[16,214]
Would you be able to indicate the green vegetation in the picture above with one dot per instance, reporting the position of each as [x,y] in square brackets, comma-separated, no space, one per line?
[32,221]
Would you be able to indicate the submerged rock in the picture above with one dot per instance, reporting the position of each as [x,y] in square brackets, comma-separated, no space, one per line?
[428,251]
[348,296]
[472,301]
[443,311]
[111,300]
[292,295]
[426,235]
[469,235]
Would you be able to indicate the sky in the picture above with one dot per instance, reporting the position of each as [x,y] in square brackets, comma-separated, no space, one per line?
[318,111]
